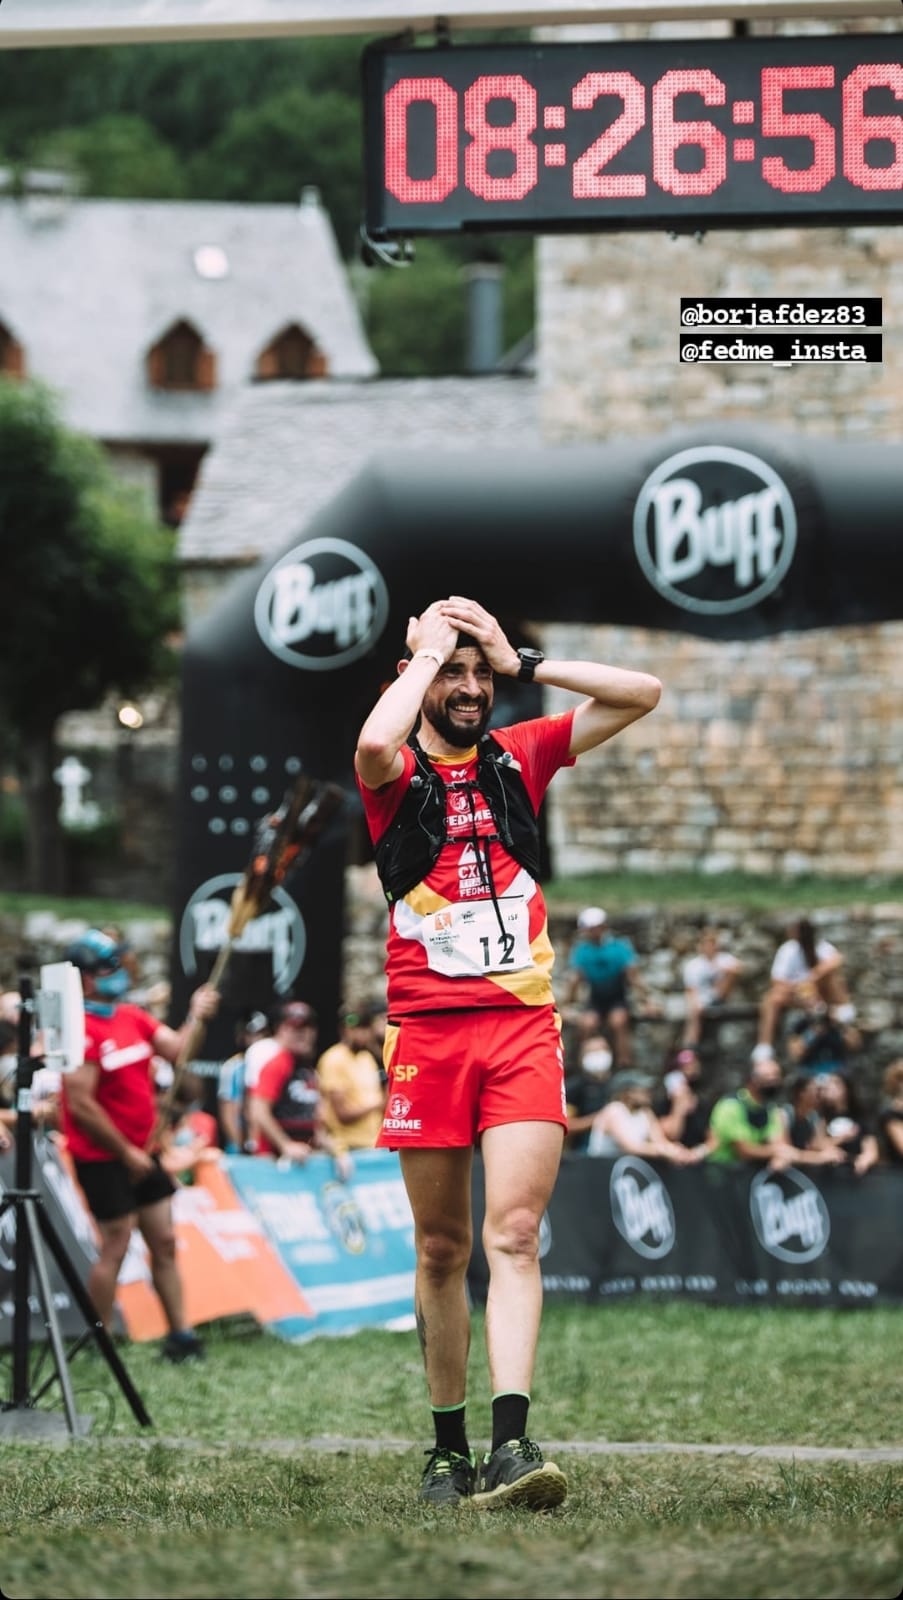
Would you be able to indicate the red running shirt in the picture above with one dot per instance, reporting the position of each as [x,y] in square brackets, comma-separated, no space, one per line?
[449,944]
[122,1045]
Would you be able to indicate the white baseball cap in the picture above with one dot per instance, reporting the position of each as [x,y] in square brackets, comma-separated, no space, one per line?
[591,917]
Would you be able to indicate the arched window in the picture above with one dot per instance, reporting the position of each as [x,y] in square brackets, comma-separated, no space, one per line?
[292,354]
[181,360]
[12,356]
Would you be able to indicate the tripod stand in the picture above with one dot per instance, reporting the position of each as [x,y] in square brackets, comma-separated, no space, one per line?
[19,1416]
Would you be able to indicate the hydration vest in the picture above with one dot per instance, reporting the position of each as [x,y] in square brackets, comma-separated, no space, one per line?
[409,848]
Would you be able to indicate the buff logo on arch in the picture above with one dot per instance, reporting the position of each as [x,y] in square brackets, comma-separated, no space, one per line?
[714,529]
[727,532]
[322,605]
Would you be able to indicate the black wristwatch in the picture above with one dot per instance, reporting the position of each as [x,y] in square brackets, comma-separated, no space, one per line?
[529,661]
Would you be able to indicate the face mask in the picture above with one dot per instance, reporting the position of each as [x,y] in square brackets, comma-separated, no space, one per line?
[768,1091]
[113,984]
[597,1062]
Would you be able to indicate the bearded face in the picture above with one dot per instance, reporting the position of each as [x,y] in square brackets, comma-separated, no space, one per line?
[458,703]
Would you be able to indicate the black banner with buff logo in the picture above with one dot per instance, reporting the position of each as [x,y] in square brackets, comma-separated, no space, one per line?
[617,1228]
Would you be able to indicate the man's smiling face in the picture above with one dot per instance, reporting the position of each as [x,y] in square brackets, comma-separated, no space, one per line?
[458,702]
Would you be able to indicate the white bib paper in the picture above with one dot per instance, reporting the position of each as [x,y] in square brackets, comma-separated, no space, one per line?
[474,940]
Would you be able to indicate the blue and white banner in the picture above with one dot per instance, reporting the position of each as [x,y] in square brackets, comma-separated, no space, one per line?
[349,1246]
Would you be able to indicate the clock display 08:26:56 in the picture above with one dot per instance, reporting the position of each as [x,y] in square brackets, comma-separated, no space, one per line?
[615,138]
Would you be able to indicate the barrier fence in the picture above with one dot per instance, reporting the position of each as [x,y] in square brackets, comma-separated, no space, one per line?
[307,1255]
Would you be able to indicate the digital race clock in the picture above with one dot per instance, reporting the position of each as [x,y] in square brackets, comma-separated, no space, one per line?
[699,133]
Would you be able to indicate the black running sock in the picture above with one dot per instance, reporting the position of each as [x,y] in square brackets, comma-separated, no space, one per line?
[448,1422]
[509,1417]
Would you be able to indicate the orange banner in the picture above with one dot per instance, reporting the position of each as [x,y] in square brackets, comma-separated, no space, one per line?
[226,1264]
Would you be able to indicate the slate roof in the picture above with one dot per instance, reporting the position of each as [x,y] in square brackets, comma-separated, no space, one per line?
[87,286]
[286,450]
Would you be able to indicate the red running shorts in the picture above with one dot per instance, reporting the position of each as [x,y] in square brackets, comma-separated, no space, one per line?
[453,1074]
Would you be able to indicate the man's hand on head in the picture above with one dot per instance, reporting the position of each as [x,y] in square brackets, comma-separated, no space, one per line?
[468,616]
[432,631]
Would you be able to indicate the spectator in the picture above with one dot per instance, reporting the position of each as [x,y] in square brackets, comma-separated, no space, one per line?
[109,1116]
[805,970]
[589,1091]
[747,1126]
[9,1062]
[820,1042]
[890,1116]
[348,1073]
[231,1094]
[805,1126]
[709,977]
[45,1081]
[607,967]
[285,1110]
[628,1126]
[848,1128]
[191,1137]
[682,1113]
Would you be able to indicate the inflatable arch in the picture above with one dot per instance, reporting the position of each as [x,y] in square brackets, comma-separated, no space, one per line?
[725,533]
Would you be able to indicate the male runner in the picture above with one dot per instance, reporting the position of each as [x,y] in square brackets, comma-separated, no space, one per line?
[473,1039]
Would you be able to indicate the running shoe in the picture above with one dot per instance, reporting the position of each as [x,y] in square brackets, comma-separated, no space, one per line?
[447,1477]
[517,1474]
[177,1347]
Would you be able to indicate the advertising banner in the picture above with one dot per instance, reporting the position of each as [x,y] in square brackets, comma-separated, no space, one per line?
[350,1246]
[631,1227]
[65,1209]
[226,1263]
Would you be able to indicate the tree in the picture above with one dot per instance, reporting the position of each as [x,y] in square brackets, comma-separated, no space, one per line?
[91,589]
[269,151]
[118,157]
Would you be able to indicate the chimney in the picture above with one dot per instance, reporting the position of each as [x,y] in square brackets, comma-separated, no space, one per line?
[484,315]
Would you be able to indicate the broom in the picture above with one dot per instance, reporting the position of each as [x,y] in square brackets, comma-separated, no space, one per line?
[281,842]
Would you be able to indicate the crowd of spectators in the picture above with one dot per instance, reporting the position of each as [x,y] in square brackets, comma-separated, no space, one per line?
[280,1097]
[800,1103]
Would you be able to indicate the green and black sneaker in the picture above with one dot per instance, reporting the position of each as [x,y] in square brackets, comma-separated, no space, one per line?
[517,1474]
[447,1477]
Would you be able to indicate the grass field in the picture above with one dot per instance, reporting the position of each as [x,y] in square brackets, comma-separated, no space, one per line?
[227,1499]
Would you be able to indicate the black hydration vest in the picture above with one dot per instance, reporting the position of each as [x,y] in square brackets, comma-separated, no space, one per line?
[410,846]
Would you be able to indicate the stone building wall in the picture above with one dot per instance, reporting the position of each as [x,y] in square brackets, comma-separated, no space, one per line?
[779,756]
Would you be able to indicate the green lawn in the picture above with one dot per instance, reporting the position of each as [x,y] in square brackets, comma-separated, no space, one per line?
[226,1499]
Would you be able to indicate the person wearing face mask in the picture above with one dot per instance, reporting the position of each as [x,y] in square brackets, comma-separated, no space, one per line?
[590,1091]
[109,1117]
[682,1112]
[748,1125]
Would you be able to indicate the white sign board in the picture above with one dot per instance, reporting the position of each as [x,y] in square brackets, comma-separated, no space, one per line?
[33,23]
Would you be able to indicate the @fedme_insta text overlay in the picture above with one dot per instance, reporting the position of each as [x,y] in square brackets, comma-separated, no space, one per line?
[782,348]
[833,330]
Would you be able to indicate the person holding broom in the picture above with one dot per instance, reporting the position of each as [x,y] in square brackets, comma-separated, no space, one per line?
[109,1118]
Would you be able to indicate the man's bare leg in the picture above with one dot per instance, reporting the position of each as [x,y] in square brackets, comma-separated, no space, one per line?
[521,1162]
[438,1186]
[114,1243]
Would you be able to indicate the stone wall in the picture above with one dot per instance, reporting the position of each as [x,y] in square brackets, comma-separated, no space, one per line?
[777,757]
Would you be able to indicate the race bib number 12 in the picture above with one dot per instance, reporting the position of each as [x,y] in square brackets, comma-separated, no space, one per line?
[474,940]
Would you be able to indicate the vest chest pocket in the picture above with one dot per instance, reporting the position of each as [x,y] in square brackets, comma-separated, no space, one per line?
[475,941]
